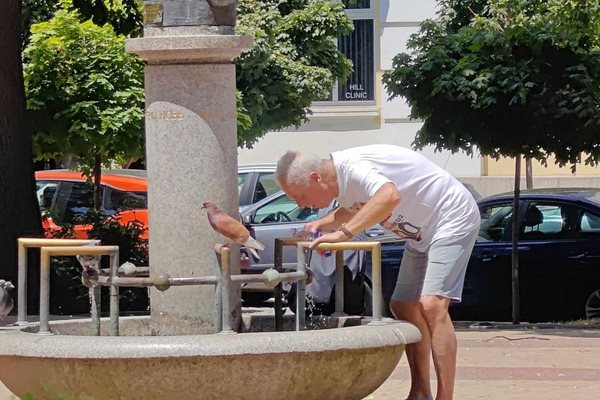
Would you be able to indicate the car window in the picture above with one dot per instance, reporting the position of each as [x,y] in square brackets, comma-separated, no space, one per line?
[545,220]
[80,199]
[116,201]
[542,221]
[242,176]
[495,219]
[283,209]
[46,193]
[590,222]
[265,186]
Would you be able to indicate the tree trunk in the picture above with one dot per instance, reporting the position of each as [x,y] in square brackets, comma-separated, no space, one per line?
[528,173]
[97,180]
[19,210]
[515,244]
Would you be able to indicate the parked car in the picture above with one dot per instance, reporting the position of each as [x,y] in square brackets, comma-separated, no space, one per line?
[256,182]
[559,258]
[68,195]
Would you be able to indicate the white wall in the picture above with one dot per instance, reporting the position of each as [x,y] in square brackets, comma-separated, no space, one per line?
[384,122]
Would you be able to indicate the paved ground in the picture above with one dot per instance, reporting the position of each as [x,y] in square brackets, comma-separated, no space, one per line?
[541,364]
[515,364]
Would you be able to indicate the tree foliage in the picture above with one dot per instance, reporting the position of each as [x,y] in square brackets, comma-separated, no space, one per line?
[125,16]
[295,61]
[509,76]
[85,91]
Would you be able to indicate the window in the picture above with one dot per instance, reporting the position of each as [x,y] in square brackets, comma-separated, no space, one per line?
[558,221]
[359,47]
[79,200]
[46,194]
[265,186]
[283,209]
[117,201]
[495,222]
[590,223]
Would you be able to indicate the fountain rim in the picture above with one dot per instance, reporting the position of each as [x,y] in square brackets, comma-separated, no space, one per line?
[19,342]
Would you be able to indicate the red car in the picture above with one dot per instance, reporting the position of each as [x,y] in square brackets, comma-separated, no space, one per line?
[67,195]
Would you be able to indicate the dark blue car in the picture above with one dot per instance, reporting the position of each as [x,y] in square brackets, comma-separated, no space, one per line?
[559,258]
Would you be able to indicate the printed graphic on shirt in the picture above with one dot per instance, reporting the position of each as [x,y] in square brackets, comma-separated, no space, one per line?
[399,226]
[403,228]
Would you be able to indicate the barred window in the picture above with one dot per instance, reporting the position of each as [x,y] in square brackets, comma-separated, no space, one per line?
[359,47]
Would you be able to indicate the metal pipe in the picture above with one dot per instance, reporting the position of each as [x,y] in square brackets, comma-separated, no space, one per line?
[23,244]
[22,285]
[225,289]
[132,281]
[192,280]
[301,291]
[114,297]
[377,292]
[260,278]
[45,254]
[277,291]
[339,284]
[139,271]
[375,248]
[44,292]
[95,308]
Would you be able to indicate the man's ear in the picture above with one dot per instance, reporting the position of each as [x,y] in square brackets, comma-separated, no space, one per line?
[314,177]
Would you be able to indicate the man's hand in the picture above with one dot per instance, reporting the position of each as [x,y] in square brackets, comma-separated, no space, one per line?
[332,237]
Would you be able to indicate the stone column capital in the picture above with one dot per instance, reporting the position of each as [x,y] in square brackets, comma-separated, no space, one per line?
[189,49]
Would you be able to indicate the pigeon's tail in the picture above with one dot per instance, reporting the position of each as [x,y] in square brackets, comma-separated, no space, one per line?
[254,254]
[253,243]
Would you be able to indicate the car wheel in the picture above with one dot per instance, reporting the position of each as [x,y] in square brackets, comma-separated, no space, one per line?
[592,305]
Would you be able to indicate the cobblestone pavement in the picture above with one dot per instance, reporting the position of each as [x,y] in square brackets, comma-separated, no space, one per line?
[515,364]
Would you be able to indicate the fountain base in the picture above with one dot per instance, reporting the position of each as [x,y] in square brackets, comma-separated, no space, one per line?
[343,363]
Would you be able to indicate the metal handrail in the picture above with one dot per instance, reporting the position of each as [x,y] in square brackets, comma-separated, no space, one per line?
[374,247]
[23,244]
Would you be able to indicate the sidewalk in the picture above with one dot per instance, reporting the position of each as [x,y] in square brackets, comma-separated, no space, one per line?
[538,364]
[493,364]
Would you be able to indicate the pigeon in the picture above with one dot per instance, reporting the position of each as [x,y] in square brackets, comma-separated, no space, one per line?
[6,301]
[232,229]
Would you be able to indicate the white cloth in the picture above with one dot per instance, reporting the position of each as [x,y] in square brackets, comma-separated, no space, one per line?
[433,204]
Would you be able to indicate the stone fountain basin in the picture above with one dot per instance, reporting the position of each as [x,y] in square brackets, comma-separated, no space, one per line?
[342,363]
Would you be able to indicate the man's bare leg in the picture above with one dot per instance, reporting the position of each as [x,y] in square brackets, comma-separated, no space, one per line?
[443,343]
[418,353]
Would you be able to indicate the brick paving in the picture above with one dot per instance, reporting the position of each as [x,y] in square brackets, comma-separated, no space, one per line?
[544,364]
[515,364]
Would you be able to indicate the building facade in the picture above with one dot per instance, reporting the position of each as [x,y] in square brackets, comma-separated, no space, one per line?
[358,112]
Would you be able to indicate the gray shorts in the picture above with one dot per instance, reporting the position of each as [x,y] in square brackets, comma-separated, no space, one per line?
[439,272]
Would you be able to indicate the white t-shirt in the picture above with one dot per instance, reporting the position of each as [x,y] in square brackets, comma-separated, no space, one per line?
[433,204]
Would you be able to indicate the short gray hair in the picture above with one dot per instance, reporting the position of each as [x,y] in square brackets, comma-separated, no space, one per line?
[294,167]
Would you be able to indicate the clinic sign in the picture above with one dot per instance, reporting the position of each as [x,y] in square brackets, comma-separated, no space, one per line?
[356,91]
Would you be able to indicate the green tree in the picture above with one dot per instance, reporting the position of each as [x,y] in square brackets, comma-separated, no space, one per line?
[125,16]
[85,92]
[295,61]
[511,77]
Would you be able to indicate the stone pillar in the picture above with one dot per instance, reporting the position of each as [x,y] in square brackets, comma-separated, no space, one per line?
[191,150]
